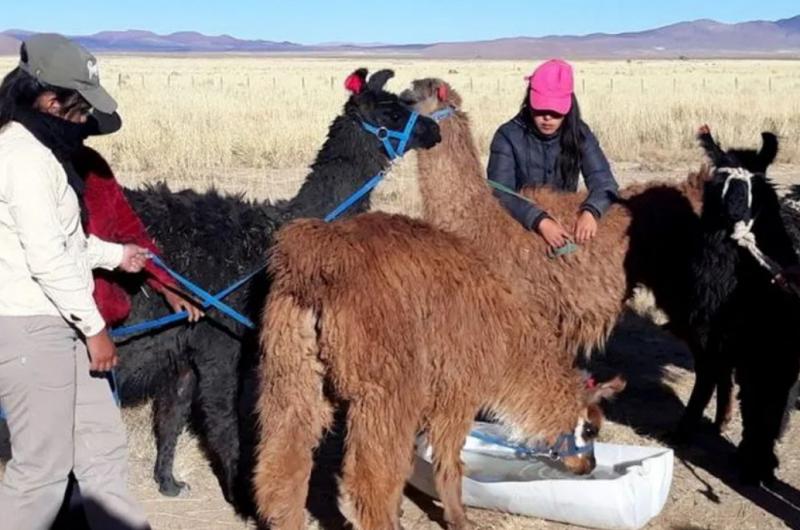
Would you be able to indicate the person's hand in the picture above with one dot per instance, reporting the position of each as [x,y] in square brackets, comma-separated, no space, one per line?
[102,352]
[134,258]
[585,227]
[553,233]
[179,302]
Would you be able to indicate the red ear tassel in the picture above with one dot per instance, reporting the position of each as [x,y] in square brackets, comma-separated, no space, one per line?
[441,92]
[591,383]
[354,83]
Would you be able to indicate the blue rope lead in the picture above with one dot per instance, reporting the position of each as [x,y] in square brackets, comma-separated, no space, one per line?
[205,296]
[350,201]
[563,447]
[149,325]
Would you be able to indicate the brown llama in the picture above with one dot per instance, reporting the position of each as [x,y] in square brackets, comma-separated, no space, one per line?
[403,323]
[583,293]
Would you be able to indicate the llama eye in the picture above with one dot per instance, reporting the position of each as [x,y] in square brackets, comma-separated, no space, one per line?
[590,431]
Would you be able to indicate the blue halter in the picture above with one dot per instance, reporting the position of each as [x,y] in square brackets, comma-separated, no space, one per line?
[387,135]
[563,447]
[441,114]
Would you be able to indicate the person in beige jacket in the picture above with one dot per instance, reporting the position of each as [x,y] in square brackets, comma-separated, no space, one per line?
[54,345]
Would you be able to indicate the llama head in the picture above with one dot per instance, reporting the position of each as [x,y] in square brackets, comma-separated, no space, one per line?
[589,423]
[430,94]
[738,181]
[372,104]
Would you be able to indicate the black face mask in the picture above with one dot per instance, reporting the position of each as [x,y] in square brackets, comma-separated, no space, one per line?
[63,138]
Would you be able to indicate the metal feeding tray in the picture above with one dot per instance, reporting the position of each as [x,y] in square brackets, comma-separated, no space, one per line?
[629,486]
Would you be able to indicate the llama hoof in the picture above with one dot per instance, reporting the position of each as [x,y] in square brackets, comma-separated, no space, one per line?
[749,477]
[228,486]
[174,488]
[463,524]
[753,472]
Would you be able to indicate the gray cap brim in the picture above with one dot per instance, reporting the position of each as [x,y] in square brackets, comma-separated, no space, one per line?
[100,123]
[99,99]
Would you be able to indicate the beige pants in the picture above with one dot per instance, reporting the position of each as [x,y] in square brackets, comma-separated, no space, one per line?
[61,419]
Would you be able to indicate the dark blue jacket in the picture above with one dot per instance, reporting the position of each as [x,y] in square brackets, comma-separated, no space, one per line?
[520,156]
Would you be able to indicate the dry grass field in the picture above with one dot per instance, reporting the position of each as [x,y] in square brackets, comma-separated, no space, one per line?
[204,118]
[252,124]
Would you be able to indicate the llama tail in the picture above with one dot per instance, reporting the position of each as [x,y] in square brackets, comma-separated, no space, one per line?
[293,412]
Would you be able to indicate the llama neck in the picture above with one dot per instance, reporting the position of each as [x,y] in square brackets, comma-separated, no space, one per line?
[534,391]
[714,273]
[347,160]
[455,196]
[540,397]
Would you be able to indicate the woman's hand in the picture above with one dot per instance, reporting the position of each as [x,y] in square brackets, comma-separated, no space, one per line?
[134,258]
[553,233]
[180,303]
[102,352]
[585,227]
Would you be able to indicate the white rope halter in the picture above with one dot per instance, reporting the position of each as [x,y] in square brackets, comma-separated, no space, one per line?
[738,173]
[745,238]
[743,231]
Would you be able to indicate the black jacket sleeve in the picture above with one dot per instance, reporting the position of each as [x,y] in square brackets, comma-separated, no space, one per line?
[502,169]
[597,174]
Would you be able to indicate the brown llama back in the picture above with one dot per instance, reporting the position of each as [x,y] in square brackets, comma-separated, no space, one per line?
[403,323]
[582,293]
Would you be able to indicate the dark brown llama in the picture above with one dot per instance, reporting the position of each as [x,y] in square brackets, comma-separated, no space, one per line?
[403,323]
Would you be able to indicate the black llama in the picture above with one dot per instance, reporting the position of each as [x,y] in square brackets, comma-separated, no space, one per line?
[743,321]
[215,239]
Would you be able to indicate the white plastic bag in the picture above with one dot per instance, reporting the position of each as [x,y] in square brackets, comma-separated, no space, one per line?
[629,487]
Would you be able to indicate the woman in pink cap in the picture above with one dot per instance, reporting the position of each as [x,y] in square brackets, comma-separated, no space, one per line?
[547,144]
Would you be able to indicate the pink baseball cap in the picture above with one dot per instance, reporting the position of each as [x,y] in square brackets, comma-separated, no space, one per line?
[552,85]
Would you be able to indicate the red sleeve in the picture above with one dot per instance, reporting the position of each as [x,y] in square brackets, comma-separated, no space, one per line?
[125,226]
[132,230]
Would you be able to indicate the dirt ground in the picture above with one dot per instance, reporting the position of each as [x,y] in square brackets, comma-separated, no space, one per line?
[704,491]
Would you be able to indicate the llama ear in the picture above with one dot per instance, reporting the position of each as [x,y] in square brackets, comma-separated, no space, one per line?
[607,390]
[769,149]
[711,147]
[378,80]
[442,91]
[356,81]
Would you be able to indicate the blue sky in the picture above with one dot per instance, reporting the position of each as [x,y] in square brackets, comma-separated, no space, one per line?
[401,21]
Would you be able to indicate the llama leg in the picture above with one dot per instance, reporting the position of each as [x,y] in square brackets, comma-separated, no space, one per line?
[293,414]
[763,404]
[377,462]
[447,435]
[705,381]
[724,399]
[217,390]
[170,414]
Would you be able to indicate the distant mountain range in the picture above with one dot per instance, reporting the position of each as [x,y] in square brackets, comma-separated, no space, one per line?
[699,38]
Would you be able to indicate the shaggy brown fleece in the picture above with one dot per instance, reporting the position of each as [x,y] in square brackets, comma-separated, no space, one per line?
[402,322]
[581,294]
